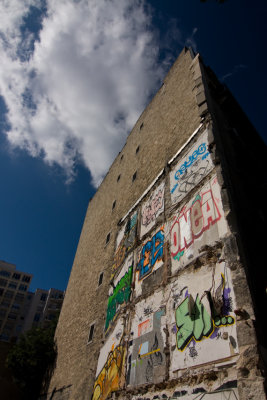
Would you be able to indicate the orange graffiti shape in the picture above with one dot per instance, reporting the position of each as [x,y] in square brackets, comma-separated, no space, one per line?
[143,327]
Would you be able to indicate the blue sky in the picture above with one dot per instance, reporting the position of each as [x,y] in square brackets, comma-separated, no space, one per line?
[74,77]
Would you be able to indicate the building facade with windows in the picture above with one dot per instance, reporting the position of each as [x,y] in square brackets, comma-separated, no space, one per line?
[167,291]
[21,309]
[14,300]
[45,306]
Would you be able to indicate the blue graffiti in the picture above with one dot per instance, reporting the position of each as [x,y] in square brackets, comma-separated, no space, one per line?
[151,252]
[202,149]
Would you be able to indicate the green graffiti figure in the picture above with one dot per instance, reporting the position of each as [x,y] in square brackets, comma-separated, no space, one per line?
[120,295]
[193,321]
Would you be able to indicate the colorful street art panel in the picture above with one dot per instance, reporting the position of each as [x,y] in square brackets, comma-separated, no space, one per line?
[202,323]
[200,222]
[150,258]
[151,209]
[120,291]
[125,241]
[189,171]
[146,359]
[110,374]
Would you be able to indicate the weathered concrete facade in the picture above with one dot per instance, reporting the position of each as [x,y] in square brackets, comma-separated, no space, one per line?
[158,304]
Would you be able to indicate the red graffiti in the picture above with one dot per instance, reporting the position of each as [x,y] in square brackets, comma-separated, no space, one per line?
[192,222]
[150,210]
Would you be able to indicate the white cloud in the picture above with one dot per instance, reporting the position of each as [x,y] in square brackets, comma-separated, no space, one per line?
[86,82]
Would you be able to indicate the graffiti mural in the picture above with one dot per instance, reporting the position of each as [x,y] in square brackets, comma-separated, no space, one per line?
[150,258]
[146,359]
[121,291]
[191,169]
[110,375]
[199,223]
[152,208]
[202,321]
[125,241]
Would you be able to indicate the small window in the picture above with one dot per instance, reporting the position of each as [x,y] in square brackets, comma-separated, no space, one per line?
[12,316]
[100,280]
[19,297]
[1,292]
[5,273]
[114,204]
[26,278]
[23,288]
[141,126]
[43,297]
[108,238]
[134,176]
[12,285]
[16,276]
[121,157]
[37,317]
[91,333]
[8,294]
[3,282]
[119,177]
[137,150]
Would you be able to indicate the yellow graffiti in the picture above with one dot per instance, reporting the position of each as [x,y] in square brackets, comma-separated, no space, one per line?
[111,377]
[151,352]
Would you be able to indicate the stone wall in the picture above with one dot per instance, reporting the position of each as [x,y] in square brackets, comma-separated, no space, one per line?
[170,317]
[161,130]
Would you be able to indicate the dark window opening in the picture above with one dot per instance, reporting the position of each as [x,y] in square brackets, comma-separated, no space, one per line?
[100,278]
[119,177]
[141,126]
[134,176]
[37,317]
[91,333]
[114,204]
[121,156]
[137,150]
[108,238]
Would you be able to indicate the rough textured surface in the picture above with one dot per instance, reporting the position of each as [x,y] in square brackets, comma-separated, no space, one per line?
[161,130]
[173,316]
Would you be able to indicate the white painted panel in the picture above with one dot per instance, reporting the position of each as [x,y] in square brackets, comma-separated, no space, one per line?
[191,169]
[201,320]
[111,343]
[151,209]
[200,222]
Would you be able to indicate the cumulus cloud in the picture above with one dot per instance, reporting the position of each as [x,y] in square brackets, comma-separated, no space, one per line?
[75,88]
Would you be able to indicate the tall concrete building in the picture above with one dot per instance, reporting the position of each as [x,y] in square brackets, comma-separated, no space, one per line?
[167,290]
[20,309]
[44,307]
[14,300]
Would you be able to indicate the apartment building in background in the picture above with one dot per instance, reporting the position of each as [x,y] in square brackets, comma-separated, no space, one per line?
[166,297]
[21,309]
[14,300]
[45,306]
